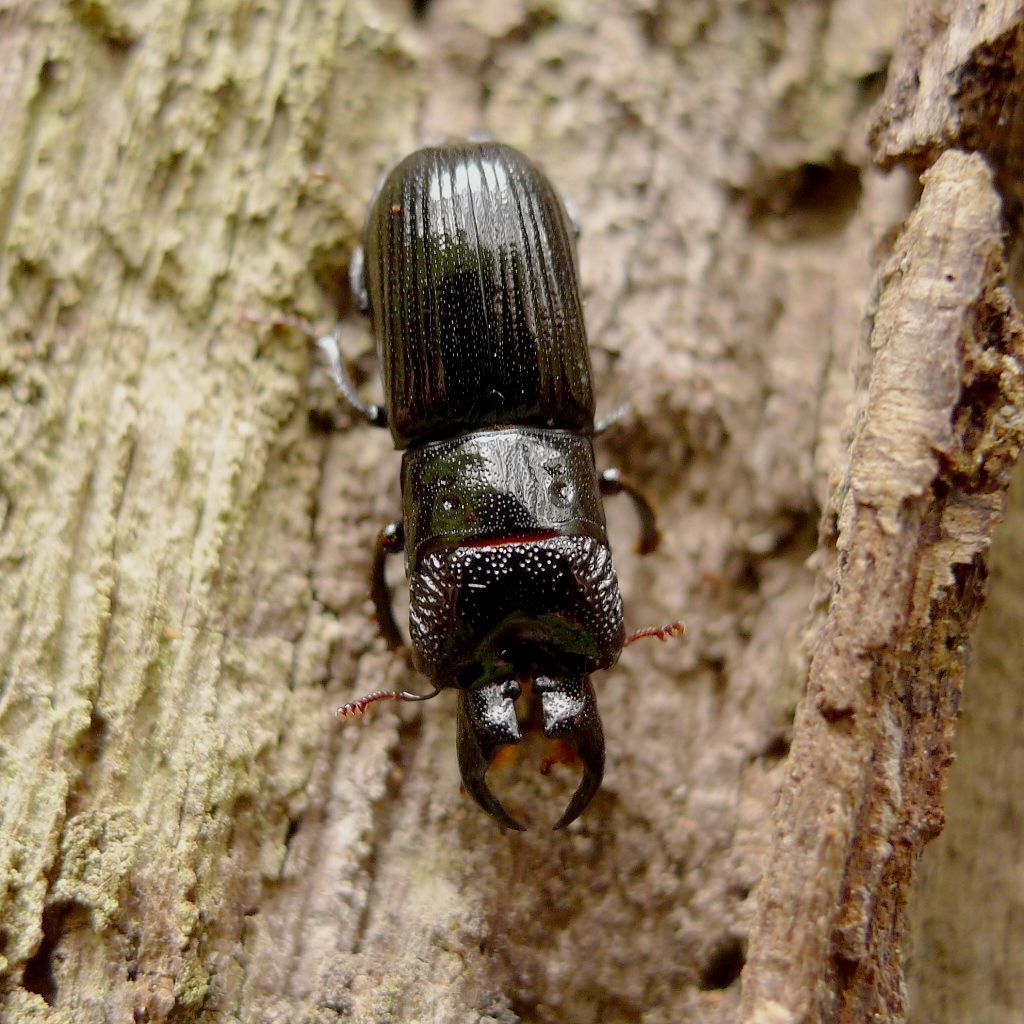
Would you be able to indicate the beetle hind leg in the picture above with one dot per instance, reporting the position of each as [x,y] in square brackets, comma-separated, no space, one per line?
[373,414]
[357,279]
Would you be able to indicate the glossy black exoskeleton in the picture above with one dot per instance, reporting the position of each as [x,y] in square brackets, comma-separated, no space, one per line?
[469,274]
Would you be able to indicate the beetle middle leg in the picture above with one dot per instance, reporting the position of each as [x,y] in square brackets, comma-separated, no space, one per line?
[611,482]
[390,541]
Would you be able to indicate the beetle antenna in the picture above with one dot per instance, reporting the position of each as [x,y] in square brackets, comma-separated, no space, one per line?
[357,707]
[661,632]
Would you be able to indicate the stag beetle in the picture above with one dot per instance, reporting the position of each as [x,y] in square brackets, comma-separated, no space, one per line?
[468,271]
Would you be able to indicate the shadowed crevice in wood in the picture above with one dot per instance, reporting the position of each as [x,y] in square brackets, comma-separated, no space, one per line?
[807,201]
[39,976]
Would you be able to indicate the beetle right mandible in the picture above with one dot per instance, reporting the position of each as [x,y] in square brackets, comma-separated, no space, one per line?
[469,275]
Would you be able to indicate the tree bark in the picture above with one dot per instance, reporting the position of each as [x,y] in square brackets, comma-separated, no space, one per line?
[825,369]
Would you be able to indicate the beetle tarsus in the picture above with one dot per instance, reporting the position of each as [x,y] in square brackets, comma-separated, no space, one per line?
[486,722]
[569,713]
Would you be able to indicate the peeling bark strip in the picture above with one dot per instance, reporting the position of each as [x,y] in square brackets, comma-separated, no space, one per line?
[926,481]
[956,80]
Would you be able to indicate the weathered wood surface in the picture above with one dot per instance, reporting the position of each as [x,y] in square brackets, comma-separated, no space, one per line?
[957,80]
[187,834]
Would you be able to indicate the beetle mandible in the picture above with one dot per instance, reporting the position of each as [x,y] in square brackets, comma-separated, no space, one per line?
[468,271]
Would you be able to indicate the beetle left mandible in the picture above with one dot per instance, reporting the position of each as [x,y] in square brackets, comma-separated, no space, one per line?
[469,274]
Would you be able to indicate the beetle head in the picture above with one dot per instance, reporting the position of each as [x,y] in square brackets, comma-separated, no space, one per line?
[487,721]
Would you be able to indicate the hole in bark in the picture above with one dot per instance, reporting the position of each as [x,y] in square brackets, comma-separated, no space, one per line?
[748,578]
[846,969]
[329,265]
[724,964]
[323,422]
[419,7]
[653,24]
[977,399]
[827,188]
[825,198]
[776,748]
[806,201]
[48,73]
[871,84]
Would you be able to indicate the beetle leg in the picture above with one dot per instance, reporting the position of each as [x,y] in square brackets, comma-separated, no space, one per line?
[390,541]
[619,412]
[572,211]
[357,279]
[328,344]
[373,414]
[569,713]
[612,483]
[486,722]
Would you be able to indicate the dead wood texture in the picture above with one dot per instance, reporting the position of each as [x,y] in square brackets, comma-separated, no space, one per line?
[824,359]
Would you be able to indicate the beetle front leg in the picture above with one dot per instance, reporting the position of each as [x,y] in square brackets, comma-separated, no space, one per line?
[611,482]
[390,541]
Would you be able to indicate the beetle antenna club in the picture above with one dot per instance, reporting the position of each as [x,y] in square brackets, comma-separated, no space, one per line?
[468,271]
[661,632]
[357,707]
